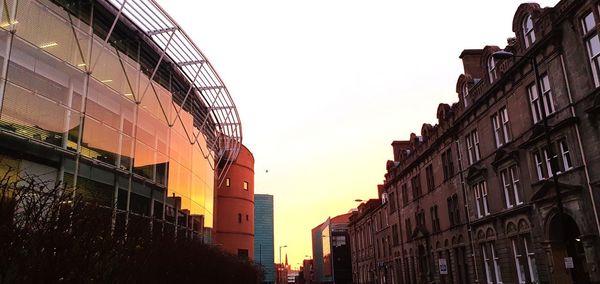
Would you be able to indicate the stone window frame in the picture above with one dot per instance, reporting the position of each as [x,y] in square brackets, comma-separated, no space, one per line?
[492,69]
[472,143]
[528,31]
[522,233]
[489,255]
[589,34]
[511,171]
[535,103]
[542,163]
[501,127]
[480,198]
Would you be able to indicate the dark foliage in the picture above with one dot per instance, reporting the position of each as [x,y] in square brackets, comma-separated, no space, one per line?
[48,236]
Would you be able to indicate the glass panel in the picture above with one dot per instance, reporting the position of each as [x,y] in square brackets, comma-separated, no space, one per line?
[144,160]
[111,68]
[156,100]
[594,45]
[51,32]
[589,23]
[100,141]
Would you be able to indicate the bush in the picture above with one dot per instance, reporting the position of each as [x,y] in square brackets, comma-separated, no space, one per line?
[48,236]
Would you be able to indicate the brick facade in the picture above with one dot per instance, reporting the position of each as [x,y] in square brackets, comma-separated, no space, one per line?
[477,191]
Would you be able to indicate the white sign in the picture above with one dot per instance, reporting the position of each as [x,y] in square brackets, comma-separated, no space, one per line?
[443,266]
[569,262]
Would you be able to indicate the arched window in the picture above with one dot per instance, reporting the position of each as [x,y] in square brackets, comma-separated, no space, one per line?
[528,32]
[492,69]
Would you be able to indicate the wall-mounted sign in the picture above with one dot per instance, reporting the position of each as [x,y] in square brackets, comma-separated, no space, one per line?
[443,266]
[569,262]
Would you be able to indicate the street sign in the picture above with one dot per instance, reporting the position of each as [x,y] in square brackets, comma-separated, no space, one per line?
[569,262]
[443,266]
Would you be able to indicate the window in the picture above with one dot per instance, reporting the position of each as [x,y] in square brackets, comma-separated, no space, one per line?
[239,218]
[547,93]
[246,217]
[473,147]
[408,229]
[565,155]
[592,42]
[453,210]
[465,94]
[404,194]
[243,253]
[447,165]
[540,166]
[429,177]
[245,185]
[395,238]
[524,259]
[536,105]
[481,201]
[543,162]
[491,263]
[435,219]
[528,32]
[416,186]
[492,69]
[392,198]
[420,218]
[500,126]
[227,182]
[511,185]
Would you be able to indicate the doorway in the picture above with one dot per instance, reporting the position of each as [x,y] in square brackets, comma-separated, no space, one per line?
[566,249]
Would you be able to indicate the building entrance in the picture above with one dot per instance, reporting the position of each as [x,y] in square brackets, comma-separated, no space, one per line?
[567,251]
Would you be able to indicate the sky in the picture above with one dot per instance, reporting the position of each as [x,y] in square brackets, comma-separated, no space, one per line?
[323,87]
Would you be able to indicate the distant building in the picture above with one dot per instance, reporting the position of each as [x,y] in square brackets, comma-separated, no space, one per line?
[234,228]
[292,275]
[361,230]
[305,275]
[331,251]
[281,273]
[264,250]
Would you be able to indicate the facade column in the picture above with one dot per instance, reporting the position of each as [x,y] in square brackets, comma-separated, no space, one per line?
[590,248]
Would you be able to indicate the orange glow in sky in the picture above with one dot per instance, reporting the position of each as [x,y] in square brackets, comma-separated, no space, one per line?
[324,87]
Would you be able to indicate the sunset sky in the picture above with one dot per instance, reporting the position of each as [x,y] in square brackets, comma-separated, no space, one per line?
[324,86]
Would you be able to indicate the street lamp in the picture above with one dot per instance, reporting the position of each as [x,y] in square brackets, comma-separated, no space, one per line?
[502,54]
[283,246]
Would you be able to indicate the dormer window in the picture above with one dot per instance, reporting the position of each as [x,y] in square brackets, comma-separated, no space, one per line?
[465,94]
[528,32]
[492,69]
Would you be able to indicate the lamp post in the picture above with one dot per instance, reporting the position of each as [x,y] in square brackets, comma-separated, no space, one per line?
[283,246]
[549,149]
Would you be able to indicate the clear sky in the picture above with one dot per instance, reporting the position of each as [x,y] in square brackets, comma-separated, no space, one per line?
[324,86]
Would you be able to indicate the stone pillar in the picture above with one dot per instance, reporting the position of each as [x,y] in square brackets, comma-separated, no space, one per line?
[590,248]
[545,277]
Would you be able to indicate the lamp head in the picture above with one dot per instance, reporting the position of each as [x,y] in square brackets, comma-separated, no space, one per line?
[502,54]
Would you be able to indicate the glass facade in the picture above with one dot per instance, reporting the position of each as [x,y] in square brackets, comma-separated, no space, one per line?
[123,128]
[264,235]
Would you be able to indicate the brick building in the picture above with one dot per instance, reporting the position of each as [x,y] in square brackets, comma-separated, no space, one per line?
[482,197]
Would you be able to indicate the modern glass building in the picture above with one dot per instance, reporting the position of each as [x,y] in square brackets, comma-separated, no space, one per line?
[114,99]
[264,250]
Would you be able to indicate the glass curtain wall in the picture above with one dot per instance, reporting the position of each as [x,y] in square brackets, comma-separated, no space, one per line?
[64,85]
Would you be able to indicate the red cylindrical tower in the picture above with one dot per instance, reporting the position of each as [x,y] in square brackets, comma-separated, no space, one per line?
[234,224]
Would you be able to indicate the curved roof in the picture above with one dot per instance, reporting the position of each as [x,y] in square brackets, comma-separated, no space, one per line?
[175,44]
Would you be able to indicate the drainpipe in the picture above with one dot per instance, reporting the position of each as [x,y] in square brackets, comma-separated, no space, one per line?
[466,207]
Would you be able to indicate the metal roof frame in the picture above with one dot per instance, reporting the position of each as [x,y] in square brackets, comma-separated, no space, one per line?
[151,19]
